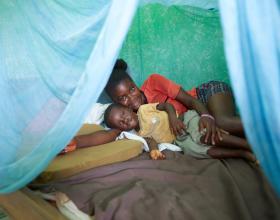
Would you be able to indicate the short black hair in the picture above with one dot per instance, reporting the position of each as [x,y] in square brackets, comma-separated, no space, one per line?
[107,114]
[119,73]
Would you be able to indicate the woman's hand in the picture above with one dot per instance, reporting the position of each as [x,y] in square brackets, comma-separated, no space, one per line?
[157,155]
[212,133]
[177,126]
[207,126]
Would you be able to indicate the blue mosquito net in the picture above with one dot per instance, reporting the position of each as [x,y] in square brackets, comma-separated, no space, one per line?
[55,59]
[252,45]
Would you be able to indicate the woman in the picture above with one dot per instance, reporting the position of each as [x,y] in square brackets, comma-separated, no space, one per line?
[213,101]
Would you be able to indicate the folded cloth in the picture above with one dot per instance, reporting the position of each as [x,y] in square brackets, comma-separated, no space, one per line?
[65,205]
[133,136]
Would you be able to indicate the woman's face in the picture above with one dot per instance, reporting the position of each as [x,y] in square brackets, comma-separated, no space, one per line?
[127,94]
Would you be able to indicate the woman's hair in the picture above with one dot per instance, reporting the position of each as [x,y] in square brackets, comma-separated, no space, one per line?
[107,114]
[120,64]
[118,74]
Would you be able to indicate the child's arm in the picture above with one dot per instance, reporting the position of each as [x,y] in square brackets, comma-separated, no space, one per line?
[176,124]
[89,140]
[97,138]
[155,154]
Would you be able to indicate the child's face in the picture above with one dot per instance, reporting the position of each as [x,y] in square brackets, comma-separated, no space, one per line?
[123,118]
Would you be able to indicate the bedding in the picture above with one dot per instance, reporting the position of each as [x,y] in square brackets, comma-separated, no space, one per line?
[180,187]
[90,157]
[86,158]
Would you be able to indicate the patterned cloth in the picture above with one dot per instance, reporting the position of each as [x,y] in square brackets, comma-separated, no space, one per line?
[206,90]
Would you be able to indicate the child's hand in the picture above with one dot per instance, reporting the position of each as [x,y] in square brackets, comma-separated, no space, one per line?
[157,155]
[71,146]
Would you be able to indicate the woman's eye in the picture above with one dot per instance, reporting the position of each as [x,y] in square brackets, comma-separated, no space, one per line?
[132,89]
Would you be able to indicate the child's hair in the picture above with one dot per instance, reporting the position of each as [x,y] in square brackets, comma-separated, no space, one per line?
[107,114]
[118,74]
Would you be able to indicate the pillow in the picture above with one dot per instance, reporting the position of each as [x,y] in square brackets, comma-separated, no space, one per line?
[86,158]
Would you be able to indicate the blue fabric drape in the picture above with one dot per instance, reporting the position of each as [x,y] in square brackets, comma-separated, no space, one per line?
[252,44]
[55,59]
[56,56]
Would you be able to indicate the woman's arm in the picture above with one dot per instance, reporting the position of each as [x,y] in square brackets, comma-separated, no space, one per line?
[176,125]
[205,122]
[190,102]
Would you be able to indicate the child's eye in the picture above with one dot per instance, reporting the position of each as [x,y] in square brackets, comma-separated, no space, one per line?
[132,89]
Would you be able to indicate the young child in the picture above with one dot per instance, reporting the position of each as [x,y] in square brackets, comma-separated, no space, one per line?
[151,122]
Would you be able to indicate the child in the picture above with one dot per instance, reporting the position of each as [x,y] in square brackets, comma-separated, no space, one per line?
[151,121]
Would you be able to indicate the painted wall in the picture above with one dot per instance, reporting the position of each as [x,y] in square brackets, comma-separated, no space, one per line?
[183,43]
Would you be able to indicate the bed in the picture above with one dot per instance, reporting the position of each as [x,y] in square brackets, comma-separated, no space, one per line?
[179,187]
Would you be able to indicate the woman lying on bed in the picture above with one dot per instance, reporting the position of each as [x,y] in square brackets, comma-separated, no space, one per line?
[213,101]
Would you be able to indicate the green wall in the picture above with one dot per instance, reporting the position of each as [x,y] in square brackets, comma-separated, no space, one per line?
[182,43]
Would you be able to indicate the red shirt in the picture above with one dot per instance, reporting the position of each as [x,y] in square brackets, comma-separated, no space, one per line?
[157,88]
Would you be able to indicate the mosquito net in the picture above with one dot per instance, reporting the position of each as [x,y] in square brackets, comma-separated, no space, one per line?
[55,59]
